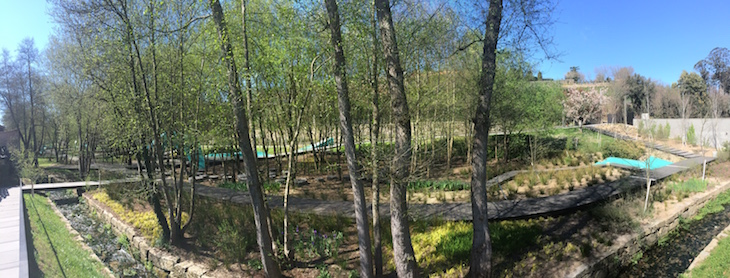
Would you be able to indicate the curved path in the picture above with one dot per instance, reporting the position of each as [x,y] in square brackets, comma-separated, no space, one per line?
[499,210]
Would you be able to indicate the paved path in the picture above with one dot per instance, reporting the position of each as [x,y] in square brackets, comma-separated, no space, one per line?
[498,210]
[13,248]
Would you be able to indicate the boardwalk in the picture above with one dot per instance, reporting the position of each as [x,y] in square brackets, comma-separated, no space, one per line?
[13,251]
[499,210]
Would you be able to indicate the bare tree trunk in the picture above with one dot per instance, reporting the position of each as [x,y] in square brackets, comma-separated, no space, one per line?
[244,142]
[375,131]
[361,214]
[247,76]
[481,251]
[404,257]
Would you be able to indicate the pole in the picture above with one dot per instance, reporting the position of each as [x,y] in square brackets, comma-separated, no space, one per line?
[704,165]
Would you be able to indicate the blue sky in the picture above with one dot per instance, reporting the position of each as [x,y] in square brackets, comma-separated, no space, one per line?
[21,19]
[658,39]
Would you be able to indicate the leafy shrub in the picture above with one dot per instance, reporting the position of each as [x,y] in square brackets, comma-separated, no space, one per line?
[232,244]
[691,185]
[623,149]
[691,136]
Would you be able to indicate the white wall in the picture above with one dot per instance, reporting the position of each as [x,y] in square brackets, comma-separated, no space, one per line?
[714,132]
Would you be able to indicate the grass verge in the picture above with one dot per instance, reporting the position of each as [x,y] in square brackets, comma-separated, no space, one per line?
[56,252]
[716,265]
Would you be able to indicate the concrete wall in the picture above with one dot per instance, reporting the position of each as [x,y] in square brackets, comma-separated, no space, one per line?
[714,132]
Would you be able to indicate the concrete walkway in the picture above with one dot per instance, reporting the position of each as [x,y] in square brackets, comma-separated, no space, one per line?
[13,248]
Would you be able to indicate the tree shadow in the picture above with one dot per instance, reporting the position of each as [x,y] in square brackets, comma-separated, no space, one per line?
[45,231]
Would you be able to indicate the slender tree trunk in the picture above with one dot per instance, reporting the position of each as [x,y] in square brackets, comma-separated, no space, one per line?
[375,131]
[361,215]
[404,257]
[247,75]
[244,142]
[481,251]
[289,180]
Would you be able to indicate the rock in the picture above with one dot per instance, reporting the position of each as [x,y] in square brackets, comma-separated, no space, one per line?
[300,182]
[280,180]
[196,271]
[320,179]
[213,177]
[161,273]
[180,269]
[331,177]
[163,259]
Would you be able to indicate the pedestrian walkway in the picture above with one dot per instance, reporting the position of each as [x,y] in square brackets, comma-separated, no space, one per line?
[498,210]
[13,248]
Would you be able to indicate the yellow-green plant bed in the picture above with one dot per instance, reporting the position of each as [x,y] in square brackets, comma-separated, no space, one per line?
[145,221]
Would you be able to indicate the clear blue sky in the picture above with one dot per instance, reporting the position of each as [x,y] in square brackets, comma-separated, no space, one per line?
[21,19]
[658,39]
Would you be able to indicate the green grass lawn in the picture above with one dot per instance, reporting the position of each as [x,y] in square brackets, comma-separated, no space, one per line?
[56,252]
[717,264]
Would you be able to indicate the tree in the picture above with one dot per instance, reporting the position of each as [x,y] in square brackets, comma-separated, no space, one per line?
[404,257]
[234,90]
[480,260]
[715,69]
[575,75]
[374,137]
[693,87]
[640,90]
[363,231]
[583,105]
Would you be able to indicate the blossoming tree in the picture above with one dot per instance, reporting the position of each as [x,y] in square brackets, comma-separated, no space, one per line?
[581,104]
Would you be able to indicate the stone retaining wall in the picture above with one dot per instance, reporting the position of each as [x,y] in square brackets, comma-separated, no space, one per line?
[164,262]
[610,263]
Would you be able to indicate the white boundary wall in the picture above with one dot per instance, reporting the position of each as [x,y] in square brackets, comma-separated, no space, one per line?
[714,131]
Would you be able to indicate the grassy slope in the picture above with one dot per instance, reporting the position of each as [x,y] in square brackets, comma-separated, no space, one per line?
[56,252]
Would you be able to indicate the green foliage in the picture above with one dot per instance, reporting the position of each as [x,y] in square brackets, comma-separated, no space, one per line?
[691,185]
[445,185]
[232,243]
[615,213]
[56,251]
[623,149]
[123,240]
[310,244]
[510,236]
[691,136]
[715,205]
[663,134]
